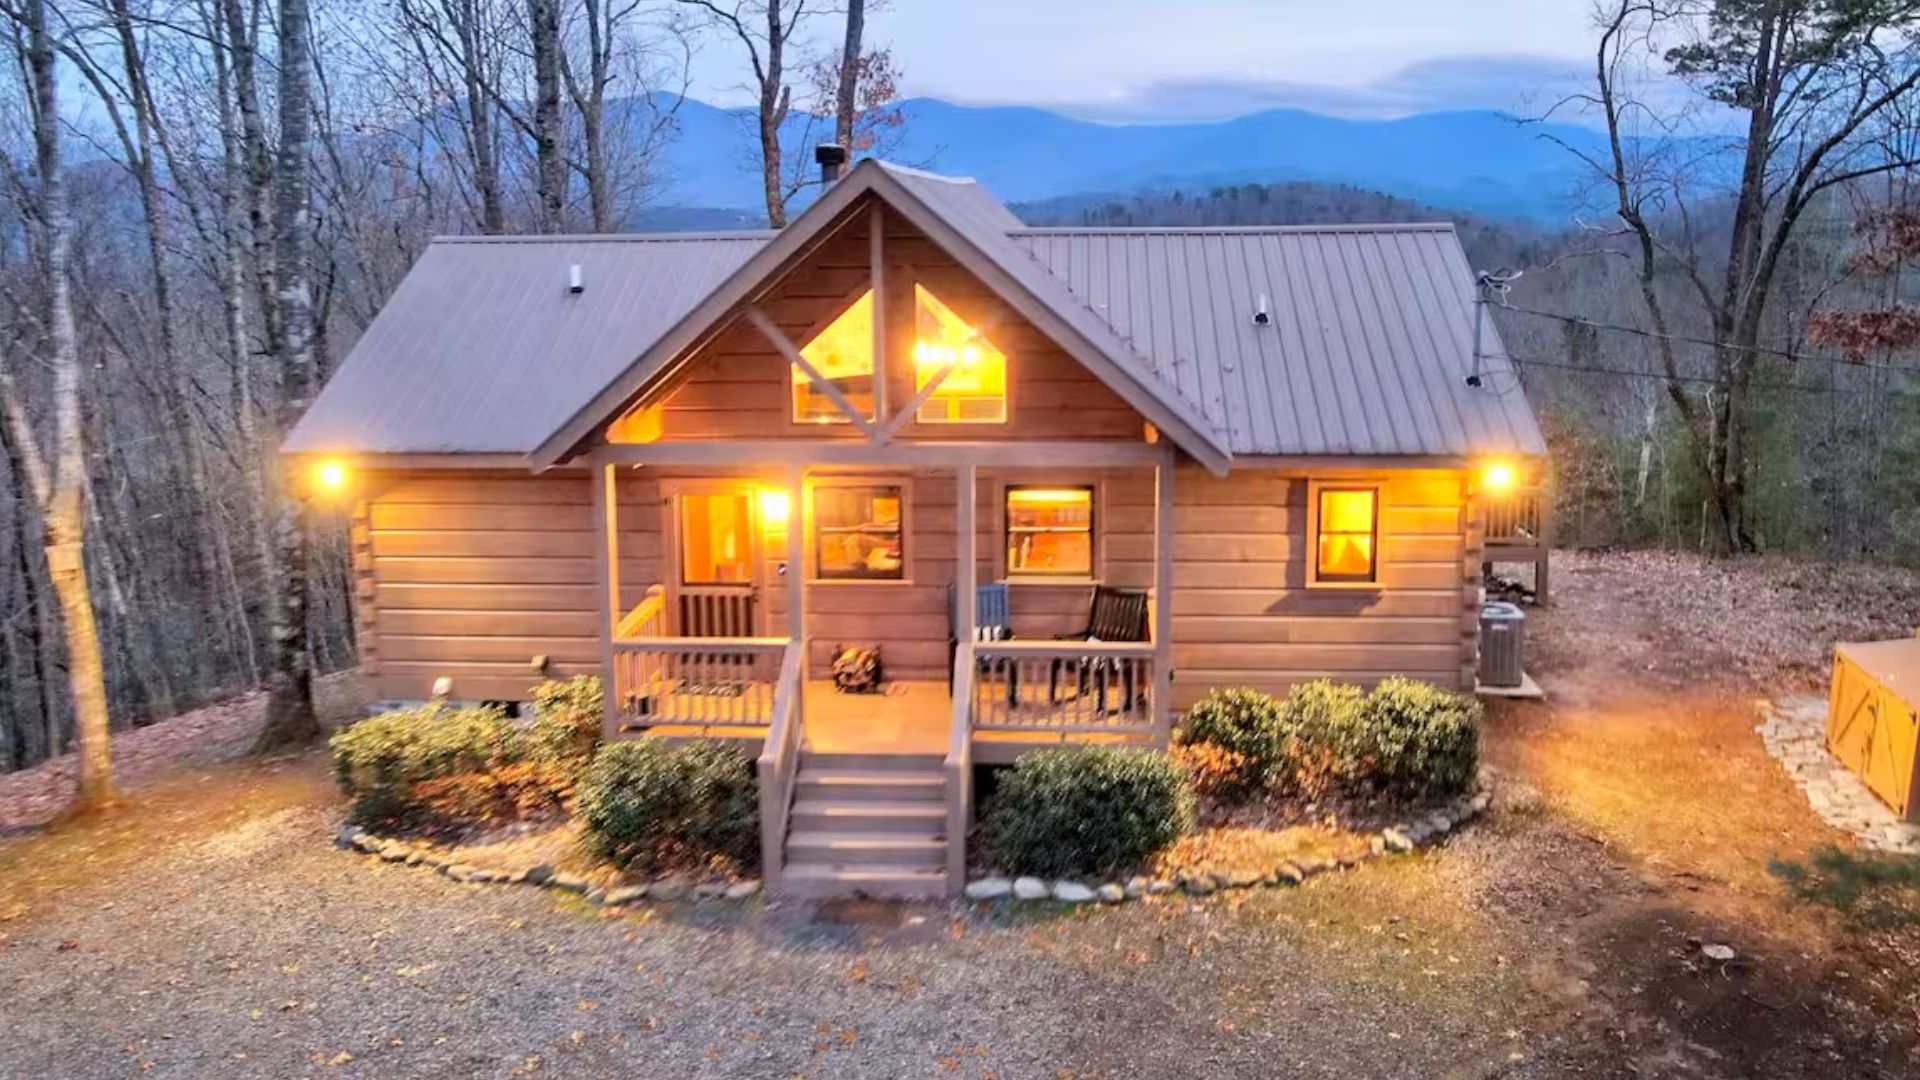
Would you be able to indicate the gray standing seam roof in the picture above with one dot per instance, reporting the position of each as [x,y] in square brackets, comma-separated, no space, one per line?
[1367,348]
[482,349]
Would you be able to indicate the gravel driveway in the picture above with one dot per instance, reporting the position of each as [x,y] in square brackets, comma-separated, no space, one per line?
[231,940]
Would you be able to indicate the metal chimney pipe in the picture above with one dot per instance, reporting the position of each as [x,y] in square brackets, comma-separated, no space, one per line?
[831,157]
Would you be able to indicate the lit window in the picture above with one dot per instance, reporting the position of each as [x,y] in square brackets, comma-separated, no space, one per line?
[1346,524]
[975,388]
[1050,531]
[843,355]
[857,533]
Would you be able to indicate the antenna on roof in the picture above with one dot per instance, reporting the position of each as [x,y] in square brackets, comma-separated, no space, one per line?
[575,284]
[1487,282]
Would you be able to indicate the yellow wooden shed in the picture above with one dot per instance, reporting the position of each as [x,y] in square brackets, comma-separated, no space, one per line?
[1873,719]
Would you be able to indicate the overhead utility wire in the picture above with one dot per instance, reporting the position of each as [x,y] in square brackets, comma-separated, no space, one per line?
[1682,339]
[1631,374]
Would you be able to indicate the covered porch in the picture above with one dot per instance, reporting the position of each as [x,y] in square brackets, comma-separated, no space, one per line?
[735,662]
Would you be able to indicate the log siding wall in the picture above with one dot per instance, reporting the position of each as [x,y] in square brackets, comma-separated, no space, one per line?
[472,574]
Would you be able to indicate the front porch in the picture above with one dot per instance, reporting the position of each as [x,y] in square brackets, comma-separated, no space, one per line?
[913,738]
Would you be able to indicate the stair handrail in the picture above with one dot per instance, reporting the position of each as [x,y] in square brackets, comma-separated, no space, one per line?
[779,761]
[959,768]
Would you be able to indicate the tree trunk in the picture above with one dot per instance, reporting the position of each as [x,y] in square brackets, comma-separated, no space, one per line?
[63,493]
[846,103]
[290,714]
[549,153]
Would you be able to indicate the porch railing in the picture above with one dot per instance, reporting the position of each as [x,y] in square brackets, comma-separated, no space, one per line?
[779,762]
[1064,688]
[706,683]
[1518,519]
[648,619]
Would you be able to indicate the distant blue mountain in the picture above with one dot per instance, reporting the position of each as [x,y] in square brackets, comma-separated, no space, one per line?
[1484,162]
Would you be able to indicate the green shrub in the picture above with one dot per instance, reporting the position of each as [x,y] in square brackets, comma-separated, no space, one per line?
[568,719]
[1321,720]
[1415,739]
[1089,810]
[1246,725]
[649,803]
[1872,890]
[381,761]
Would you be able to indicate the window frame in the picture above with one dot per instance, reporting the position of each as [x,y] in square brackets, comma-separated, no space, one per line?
[911,375]
[1317,580]
[797,378]
[815,485]
[1093,533]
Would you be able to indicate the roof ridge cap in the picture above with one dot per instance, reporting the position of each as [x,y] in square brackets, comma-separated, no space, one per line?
[1236,230]
[610,238]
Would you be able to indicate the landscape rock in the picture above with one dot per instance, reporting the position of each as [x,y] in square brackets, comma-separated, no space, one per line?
[457,871]
[1241,879]
[1397,839]
[368,843]
[993,888]
[626,894]
[1136,887]
[596,896]
[669,888]
[1201,885]
[1030,888]
[395,853]
[1159,887]
[348,836]
[710,890]
[415,858]
[482,877]
[1289,874]
[539,875]
[741,890]
[569,882]
[1111,893]
[1072,892]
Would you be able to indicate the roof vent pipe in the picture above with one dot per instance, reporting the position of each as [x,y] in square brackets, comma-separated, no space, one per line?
[1262,315]
[831,157]
[575,283]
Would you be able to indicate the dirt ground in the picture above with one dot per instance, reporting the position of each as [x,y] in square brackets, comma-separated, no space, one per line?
[208,929]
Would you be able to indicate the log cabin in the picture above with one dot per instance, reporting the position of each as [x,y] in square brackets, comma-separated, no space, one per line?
[1024,487]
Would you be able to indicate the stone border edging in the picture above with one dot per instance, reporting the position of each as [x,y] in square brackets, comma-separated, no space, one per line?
[1395,839]
[670,888]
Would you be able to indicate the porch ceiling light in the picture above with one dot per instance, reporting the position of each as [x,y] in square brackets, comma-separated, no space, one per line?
[774,506]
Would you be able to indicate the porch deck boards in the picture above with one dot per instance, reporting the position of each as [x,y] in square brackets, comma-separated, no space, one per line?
[905,717]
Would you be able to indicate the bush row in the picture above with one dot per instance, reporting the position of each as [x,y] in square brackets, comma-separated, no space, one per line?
[1086,810]
[644,802]
[445,764]
[1406,739]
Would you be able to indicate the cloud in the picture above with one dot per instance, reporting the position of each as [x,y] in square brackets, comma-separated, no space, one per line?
[1519,84]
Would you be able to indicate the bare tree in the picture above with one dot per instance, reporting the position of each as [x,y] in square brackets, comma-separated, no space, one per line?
[60,490]
[846,96]
[765,30]
[290,714]
[1806,79]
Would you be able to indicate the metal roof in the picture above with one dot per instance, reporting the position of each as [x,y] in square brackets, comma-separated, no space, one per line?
[1367,349]
[481,349]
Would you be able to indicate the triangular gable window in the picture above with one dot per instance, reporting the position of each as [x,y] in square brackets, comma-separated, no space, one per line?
[975,389]
[843,355]
[972,391]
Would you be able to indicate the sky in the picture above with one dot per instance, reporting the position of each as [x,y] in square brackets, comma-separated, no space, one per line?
[1133,61]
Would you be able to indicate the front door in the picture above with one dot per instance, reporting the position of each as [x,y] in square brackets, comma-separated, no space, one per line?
[716,556]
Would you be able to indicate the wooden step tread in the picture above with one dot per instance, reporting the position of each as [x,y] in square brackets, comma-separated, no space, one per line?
[870,776]
[810,839]
[879,808]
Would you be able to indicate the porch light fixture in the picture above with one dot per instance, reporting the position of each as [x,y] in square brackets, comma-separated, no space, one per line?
[1497,478]
[331,476]
[774,506]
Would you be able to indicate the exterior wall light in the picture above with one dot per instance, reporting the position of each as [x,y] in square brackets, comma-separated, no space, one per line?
[774,507]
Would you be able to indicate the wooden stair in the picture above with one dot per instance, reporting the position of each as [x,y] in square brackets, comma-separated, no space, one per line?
[868,825]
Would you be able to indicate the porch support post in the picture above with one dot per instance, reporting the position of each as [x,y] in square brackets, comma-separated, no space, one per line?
[796,560]
[1162,599]
[964,559]
[604,479]
[876,270]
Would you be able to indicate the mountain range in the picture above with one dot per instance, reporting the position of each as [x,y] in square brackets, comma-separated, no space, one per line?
[1485,162]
